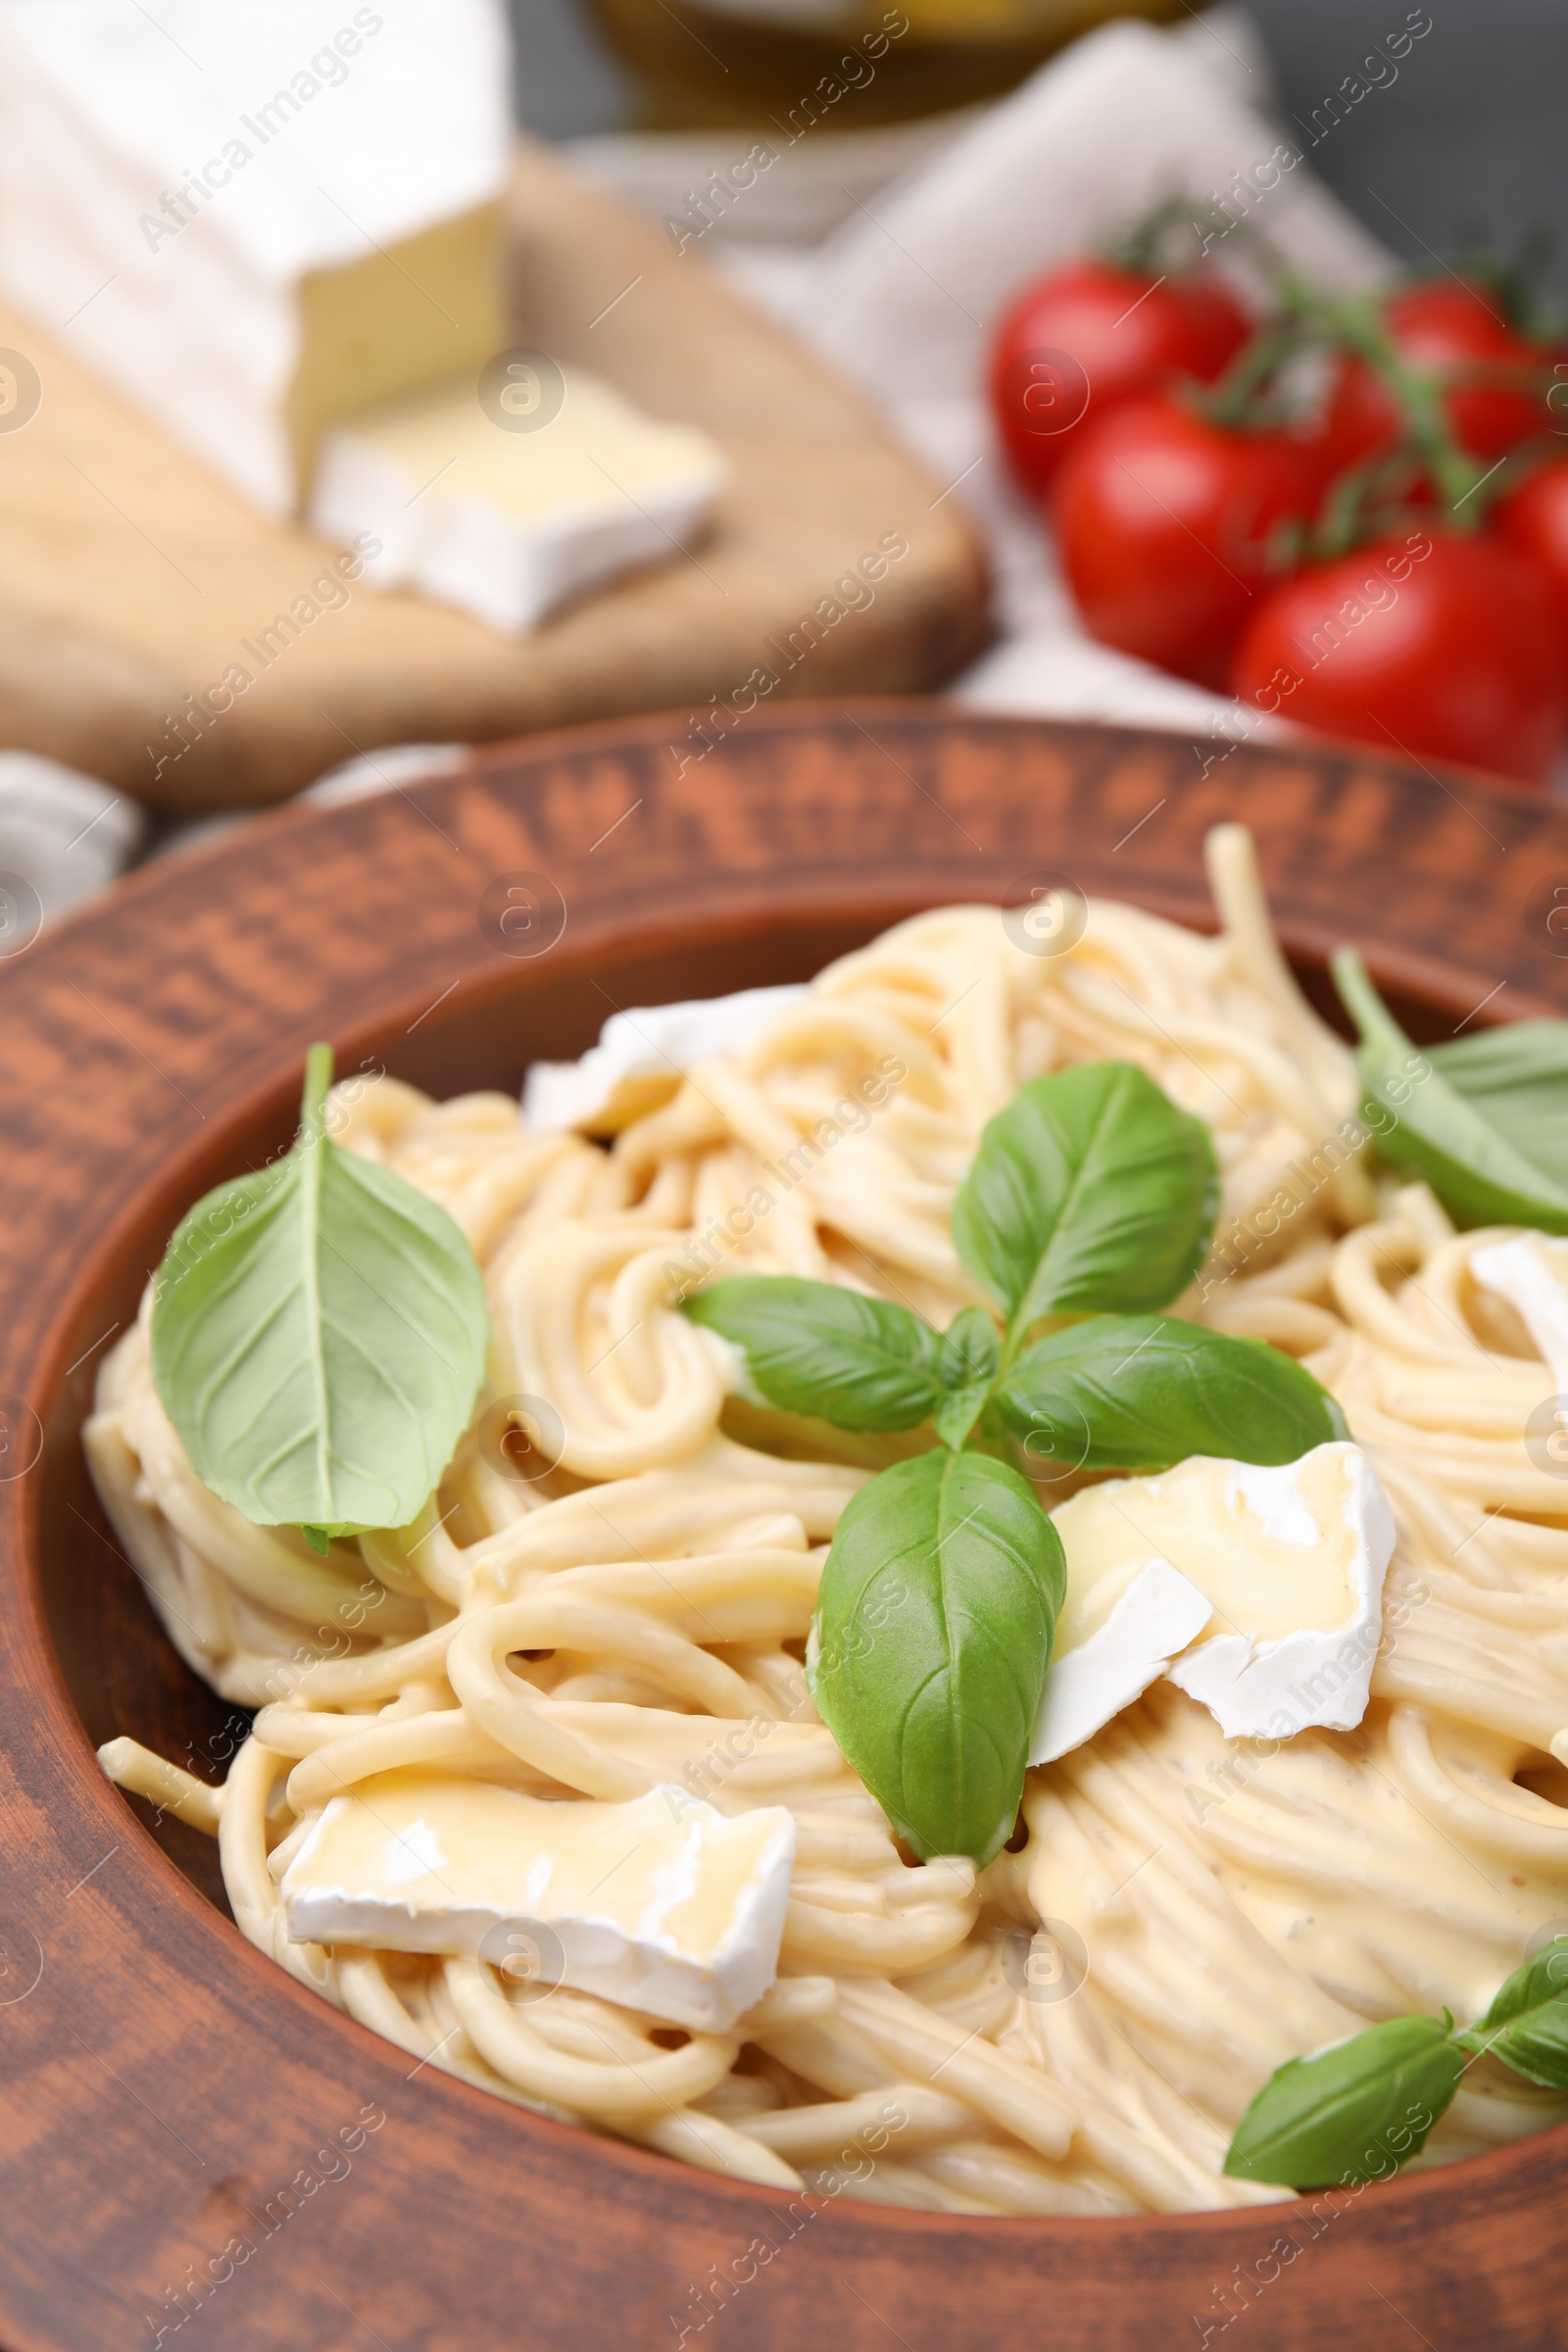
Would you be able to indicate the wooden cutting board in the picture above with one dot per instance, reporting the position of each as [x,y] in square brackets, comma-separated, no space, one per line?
[130,580]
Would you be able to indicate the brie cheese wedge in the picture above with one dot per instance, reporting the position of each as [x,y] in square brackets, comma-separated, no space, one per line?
[1127,1614]
[1531,1274]
[250,221]
[507,525]
[663,1906]
[1255,1589]
[643,1055]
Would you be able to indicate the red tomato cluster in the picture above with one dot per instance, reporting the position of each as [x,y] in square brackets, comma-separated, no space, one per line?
[1181,537]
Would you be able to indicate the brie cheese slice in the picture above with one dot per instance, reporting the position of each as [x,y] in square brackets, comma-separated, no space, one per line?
[1257,1589]
[1292,1558]
[505,524]
[249,220]
[663,1906]
[1120,1628]
[1531,1274]
[643,1055]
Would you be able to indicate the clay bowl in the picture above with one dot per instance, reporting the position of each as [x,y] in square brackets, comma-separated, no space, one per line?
[164,2089]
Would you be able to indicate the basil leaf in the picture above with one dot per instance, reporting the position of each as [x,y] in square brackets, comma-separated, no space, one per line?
[1141,1391]
[967,1367]
[319,1335]
[1474,1128]
[929,1648]
[1090,1190]
[1527,2024]
[1517,1078]
[1353,2113]
[812,1347]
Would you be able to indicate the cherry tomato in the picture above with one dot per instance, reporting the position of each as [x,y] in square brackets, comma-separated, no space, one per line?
[1535,517]
[1424,643]
[1075,344]
[1165,523]
[1448,328]
[1357,417]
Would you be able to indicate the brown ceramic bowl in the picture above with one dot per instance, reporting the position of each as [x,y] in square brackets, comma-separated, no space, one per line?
[162,2088]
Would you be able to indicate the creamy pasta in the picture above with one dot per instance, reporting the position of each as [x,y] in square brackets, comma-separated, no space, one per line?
[1077,2029]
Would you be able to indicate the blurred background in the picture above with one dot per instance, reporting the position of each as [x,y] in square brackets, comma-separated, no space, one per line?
[750,436]
[1474,138]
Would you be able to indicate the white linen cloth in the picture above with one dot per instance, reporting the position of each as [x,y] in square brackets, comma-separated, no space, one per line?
[63,836]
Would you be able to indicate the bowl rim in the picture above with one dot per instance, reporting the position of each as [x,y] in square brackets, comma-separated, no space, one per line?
[514,788]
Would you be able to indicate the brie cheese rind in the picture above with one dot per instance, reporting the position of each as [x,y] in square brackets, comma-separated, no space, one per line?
[1531,1273]
[662,1905]
[507,525]
[1106,1656]
[642,1055]
[1301,1634]
[1276,1573]
[250,221]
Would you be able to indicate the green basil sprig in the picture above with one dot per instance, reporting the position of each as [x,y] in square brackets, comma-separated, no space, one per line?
[862,1364]
[1527,2024]
[1090,1190]
[1488,1128]
[1141,1391]
[968,1368]
[1517,1078]
[931,1643]
[1352,2113]
[319,1335]
[1358,2111]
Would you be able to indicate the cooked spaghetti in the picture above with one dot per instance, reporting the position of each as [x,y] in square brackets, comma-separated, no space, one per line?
[636,1615]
